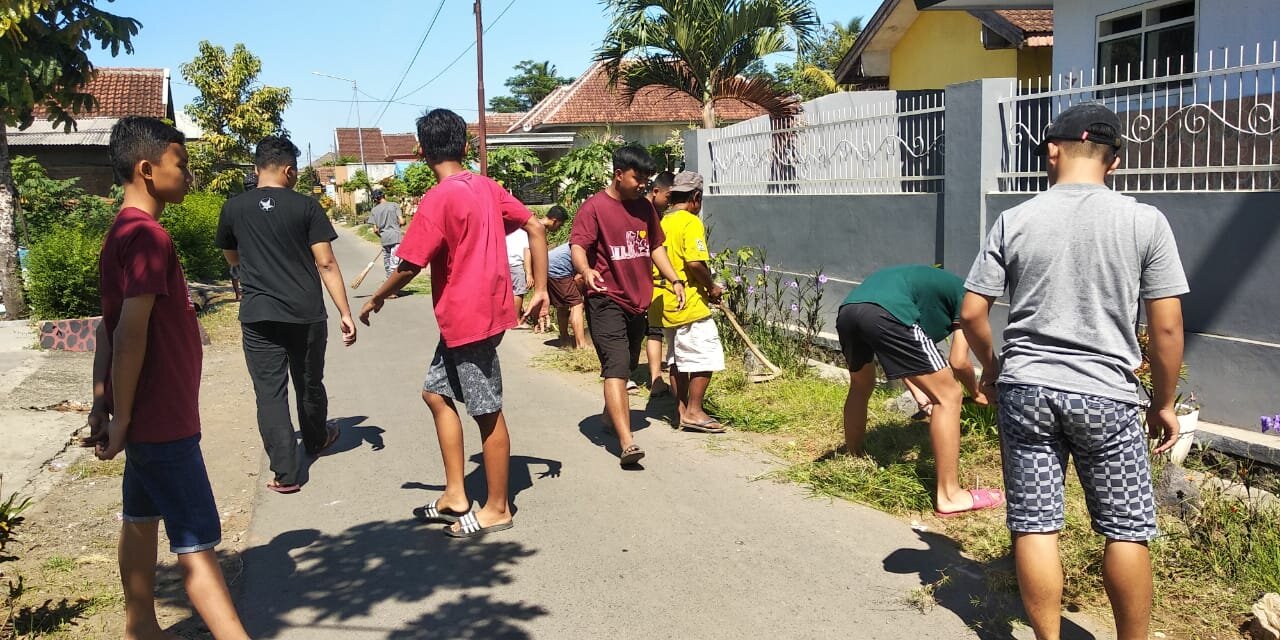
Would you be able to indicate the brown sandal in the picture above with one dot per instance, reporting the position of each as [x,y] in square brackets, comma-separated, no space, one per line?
[631,455]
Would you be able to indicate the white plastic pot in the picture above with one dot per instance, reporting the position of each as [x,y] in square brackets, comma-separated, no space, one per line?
[1186,434]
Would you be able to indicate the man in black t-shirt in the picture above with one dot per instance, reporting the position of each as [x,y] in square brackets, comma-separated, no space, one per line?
[279,241]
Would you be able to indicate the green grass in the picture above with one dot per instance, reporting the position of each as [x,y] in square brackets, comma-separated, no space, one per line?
[60,564]
[421,285]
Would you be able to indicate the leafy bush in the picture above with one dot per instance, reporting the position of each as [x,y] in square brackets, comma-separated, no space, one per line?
[49,204]
[513,167]
[62,274]
[193,225]
[418,177]
[577,175]
[342,213]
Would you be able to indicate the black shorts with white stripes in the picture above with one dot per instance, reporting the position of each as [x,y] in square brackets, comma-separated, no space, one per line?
[868,331]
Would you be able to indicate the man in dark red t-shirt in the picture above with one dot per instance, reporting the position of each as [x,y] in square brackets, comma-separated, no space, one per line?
[616,241]
[146,386]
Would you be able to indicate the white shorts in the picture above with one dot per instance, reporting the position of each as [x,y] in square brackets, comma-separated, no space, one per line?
[694,347]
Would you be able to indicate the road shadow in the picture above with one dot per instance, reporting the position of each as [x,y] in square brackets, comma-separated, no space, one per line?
[965,588]
[520,478]
[353,435]
[305,579]
[592,428]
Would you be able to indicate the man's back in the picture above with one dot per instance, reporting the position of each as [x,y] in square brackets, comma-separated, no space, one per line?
[1076,260]
[386,217]
[915,294]
[273,229]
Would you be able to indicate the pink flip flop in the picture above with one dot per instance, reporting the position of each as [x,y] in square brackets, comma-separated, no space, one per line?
[982,499]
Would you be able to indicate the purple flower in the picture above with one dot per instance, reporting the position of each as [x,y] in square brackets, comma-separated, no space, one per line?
[1268,424]
[737,278]
[822,278]
[751,289]
[794,307]
[767,268]
[793,284]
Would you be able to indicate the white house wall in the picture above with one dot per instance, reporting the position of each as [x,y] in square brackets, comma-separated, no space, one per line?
[1220,24]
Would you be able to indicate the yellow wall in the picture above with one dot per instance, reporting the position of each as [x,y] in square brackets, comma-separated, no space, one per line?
[1035,63]
[945,47]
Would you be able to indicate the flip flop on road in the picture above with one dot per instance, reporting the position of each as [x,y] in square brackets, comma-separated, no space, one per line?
[710,425]
[429,514]
[982,499]
[284,488]
[631,455]
[469,527]
[333,433]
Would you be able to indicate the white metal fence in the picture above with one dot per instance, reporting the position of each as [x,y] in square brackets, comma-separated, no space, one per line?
[1211,126]
[893,146]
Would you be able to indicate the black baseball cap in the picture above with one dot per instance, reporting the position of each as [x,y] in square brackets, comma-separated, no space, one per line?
[377,194]
[1074,124]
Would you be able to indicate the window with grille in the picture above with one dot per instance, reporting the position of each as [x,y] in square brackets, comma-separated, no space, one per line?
[1151,40]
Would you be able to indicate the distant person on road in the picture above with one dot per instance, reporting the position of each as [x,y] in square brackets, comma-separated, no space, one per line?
[146,388]
[897,316]
[1075,261]
[460,231]
[660,197]
[565,289]
[279,240]
[386,220]
[552,222]
[694,351]
[617,240]
[520,266]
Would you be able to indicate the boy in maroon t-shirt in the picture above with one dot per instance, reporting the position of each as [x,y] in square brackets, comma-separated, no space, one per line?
[616,241]
[460,230]
[146,387]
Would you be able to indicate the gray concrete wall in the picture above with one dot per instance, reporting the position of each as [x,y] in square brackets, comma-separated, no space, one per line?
[1230,249]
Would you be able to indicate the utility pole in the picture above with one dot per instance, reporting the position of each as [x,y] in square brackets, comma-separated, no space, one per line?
[355,97]
[484,131]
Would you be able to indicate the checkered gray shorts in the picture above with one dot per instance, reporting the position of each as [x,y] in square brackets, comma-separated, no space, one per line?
[1040,428]
[469,374]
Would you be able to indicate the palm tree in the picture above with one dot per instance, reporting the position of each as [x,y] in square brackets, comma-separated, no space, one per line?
[702,47]
[818,66]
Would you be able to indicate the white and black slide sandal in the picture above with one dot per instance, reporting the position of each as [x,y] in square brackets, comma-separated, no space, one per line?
[469,527]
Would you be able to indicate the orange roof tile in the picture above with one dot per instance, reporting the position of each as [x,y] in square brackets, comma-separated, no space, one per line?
[1033,22]
[400,146]
[350,139]
[126,91]
[590,100]
[495,122]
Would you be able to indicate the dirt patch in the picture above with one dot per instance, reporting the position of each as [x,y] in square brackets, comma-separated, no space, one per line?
[67,546]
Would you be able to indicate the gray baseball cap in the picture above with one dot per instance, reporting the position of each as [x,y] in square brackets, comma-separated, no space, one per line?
[687,181]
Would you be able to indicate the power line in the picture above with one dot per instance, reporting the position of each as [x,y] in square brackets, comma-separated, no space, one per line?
[381,101]
[464,52]
[411,61]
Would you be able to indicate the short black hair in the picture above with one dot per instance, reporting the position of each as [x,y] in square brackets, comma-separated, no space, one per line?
[663,180]
[558,212]
[633,156]
[137,138]
[442,136]
[276,151]
[1089,149]
[681,197]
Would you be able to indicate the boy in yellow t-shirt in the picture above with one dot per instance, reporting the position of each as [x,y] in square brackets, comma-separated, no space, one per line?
[693,343]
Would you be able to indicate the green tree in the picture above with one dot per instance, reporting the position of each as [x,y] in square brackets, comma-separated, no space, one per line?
[533,82]
[394,188]
[814,72]
[47,204]
[358,181]
[576,175]
[418,177]
[513,167]
[702,47]
[308,179]
[44,62]
[233,110]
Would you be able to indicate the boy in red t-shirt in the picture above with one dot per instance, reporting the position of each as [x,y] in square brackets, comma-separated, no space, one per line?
[611,243]
[146,387]
[460,231]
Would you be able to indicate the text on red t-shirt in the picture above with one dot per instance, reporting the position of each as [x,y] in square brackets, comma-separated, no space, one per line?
[616,235]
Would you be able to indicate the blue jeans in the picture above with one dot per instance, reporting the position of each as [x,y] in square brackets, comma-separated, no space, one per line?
[167,481]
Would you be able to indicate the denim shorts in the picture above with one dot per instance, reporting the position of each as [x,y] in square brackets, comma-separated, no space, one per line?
[167,481]
[1041,428]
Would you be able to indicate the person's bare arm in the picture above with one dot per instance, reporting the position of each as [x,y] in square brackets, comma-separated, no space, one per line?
[536,259]
[404,274]
[128,352]
[100,414]
[232,256]
[331,276]
[1164,327]
[962,366]
[700,276]
[975,322]
[663,263]
[580,264]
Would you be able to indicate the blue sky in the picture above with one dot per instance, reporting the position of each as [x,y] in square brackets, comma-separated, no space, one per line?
[372,42]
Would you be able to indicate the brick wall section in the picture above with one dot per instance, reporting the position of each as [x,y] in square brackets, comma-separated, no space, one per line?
[79,334]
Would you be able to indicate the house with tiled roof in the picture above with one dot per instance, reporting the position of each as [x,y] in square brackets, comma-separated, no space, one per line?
[903,48]
[82,152]
[588,107]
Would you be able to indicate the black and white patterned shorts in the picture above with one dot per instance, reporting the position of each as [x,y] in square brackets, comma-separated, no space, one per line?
[1040,428]
[469,374]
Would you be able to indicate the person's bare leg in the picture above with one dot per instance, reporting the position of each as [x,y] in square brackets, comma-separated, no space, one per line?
[497,469]
[679,389]
[617,408]
[1126,574]
[1040,581]
[202,577]
[946,397]
[578,322]
[137,556]
[918,395]
[862,383]
[696,384]
[562,323]
[449,433]
[653,351]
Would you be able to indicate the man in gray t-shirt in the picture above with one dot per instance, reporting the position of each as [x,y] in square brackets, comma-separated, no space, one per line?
[1075,262]
[386,221]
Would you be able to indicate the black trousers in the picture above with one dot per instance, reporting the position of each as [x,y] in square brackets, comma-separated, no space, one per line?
[274,352]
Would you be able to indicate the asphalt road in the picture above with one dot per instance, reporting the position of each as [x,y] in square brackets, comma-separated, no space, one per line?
[692,546]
